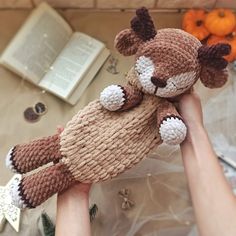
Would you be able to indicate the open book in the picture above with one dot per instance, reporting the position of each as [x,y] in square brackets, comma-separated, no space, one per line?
[48,53]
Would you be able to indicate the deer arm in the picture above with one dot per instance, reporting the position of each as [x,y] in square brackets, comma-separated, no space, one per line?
[170,124]
[120,98]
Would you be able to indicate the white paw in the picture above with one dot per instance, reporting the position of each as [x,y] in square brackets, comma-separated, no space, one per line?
[112,97]
[8,161]
[173,131]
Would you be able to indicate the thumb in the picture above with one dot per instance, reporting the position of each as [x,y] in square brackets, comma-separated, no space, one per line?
[190,108]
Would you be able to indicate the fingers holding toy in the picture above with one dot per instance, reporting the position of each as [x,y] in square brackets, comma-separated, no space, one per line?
[191,110]
[60,129]
[76,190]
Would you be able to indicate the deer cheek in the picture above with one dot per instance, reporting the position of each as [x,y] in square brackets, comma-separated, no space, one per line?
[145,68]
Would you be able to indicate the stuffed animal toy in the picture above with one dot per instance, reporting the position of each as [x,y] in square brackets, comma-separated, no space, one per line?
[114,133]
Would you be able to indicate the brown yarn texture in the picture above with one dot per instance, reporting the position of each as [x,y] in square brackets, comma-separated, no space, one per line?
[133,80]
[173,52]
[212,56]
[166,110]
[98,144]
[127,39]
[213,78]
[133,97]
[27,157]
[37,188]
[142,24]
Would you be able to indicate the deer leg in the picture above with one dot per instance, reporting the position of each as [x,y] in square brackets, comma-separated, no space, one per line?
[36,188]
[23,158]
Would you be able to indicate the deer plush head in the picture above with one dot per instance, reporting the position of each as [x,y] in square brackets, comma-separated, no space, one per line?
[169,61]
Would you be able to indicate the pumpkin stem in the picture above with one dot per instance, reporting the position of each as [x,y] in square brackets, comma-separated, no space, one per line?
[221,14]
[199,22]
[230,36]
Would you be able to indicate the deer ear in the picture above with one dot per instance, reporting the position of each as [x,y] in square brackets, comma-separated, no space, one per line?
[212,56]
[142,29]
[213,72]
[127,42]
[213,78]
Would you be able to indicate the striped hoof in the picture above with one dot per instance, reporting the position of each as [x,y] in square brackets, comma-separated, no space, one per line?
[9,160]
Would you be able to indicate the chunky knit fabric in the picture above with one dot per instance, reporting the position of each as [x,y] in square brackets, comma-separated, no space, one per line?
[35,154]
[98,144]
[36,188]
[112,134]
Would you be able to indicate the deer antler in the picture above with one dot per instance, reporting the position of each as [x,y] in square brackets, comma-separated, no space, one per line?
[212,56]
[143,25]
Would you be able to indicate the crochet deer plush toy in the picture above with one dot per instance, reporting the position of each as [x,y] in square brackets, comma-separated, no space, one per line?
[114,133]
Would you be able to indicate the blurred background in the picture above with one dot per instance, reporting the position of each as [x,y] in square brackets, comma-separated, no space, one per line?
[122,4]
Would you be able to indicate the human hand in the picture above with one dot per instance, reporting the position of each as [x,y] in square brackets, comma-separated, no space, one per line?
[60,129]
[191,110]
[80,188]
[207,183]
[73,211]
[77,190]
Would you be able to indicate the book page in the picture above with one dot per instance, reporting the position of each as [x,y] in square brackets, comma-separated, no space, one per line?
[88,77]
[37,44]
[71,65]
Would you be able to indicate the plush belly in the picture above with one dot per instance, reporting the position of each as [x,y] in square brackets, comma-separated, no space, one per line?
[98,144]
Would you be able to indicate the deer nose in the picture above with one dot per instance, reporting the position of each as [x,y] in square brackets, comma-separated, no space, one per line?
[161,83]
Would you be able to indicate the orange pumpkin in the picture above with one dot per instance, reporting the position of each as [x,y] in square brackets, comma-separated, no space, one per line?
[230,39]
[193,23]
[220,21]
